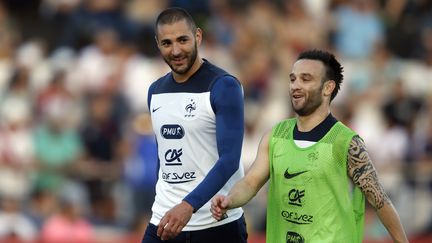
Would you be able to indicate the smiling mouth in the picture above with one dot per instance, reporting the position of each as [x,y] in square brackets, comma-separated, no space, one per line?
[297,97]
[178,60]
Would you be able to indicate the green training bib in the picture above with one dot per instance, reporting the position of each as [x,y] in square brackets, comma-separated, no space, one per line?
[311,198]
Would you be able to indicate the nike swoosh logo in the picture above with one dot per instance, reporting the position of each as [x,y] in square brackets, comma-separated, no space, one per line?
[155,109]
[291,175]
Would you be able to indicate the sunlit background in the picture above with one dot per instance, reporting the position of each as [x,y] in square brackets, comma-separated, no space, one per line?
[77,153]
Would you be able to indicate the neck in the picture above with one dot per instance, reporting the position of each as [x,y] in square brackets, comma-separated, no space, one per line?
[309,122]
[181,78]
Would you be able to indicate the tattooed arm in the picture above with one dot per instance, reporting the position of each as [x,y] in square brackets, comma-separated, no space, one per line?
[364,175]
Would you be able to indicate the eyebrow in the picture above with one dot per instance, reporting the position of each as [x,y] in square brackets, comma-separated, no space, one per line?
[177,38]
[304,75]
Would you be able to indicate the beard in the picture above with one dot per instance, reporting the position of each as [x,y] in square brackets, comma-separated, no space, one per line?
[311,103]
[190,59]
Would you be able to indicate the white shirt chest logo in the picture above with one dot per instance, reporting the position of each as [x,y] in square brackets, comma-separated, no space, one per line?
[176,107]
[190,106]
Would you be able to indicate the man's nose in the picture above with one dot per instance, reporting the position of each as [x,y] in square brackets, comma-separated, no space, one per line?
[294,84]
[175,50]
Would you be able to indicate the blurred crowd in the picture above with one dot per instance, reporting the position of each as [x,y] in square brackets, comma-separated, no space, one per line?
[77,152]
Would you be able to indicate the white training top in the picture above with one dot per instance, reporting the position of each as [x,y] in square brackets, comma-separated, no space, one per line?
[185,128]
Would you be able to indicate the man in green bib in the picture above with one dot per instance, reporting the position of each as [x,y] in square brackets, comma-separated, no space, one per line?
[311,161]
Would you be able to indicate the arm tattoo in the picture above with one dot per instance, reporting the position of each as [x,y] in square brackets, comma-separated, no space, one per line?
[364,175]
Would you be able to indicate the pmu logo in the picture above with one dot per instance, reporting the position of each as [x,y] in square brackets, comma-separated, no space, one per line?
[295,197]
[172,131]
[297,218]
[294,237]
[172,157]
[190,108]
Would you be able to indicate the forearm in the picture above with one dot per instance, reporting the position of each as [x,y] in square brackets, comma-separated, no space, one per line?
[390,219]
[245,189]
[241,193]
[212,183]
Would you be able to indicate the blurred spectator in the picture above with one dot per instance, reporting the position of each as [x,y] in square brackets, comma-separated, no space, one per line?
[9,37]
[57,94]
[142,14]
[90,18]
[401,108]
[221,23]
[43,203]
[298,29]
[96,63]
[256,75]
[119,110]
[358,42]
[68,225]
[55,131]
[385,69]
[317,9]
[426,154]
[141,166]
[104,146]
[18,91]
[214,50]
[55,15]
[137,73]
[16,147]
[417,78]
[406,22]
[14,225]
[389,159]
[381,71]
[138,228]
[31,56]
[199,9]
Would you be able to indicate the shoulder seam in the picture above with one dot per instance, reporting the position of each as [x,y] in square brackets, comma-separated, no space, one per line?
[217,77]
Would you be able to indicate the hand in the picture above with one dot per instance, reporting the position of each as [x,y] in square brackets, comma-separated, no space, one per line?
[219,207]
[174,221]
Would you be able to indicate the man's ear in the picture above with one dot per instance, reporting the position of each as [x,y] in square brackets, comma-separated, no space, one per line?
[198,36]
[156,39]
[329,86]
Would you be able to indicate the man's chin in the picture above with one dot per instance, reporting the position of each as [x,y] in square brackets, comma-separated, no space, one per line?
[300,111]
[297,108]
[178,69]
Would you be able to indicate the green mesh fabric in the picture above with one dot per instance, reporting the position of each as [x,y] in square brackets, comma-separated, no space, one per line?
[310,198]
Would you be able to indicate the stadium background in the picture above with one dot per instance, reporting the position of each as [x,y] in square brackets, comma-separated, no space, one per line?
[77,155]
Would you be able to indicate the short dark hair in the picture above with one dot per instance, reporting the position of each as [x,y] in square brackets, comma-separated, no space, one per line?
[332,67]
[172,15]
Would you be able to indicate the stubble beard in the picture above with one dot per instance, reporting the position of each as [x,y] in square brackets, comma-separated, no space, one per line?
[190,61]
[310,105]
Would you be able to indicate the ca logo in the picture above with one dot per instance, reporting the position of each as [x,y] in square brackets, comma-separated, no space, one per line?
[295,197]
[172,155]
